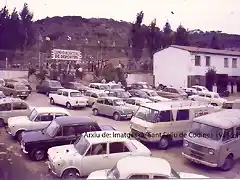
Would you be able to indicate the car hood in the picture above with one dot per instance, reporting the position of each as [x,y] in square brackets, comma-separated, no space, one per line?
[39,135]
[206,142]
[125,109]
[60,151]
[17,120]
[159,98]
[101,174]
[191,175]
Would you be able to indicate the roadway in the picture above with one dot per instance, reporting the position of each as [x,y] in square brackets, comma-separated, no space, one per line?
[15,165]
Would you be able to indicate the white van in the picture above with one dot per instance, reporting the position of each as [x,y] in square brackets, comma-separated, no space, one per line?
[164,122]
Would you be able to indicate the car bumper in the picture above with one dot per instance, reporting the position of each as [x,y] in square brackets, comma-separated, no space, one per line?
[126,116]
[81,105]
[52,169]
[198,161]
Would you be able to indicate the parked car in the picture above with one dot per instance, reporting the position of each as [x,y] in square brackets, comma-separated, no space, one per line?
[153,96]
[2,82]
[120,93]
[69,98]
[231,104]
[115,86]
[93,151]
[134,102]
[172,93]
[200,89]
[61,131]
[138,93]
[15,89]
[213,139]
[99,86]
[11,107]
[39,118]
[93,95]
[2,95]
[20,80]
[209,97]
[48,86]
[140,85]
[112,106]
[190,91]
[130,168]
[76,86]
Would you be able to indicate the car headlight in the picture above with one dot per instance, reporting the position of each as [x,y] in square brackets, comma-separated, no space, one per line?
[211,151]
[186,144]
[130,124]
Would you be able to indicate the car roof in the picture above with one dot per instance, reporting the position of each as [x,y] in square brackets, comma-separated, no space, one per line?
[74,120]
[143,165]
[223,119]
[110,97]
[68,90]
[97,91]
[51,109]
[10,100]
[199,86]
[95,137]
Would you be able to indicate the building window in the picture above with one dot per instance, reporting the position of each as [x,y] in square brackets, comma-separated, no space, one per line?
[225,62]
[197,61]
[234,62]
[207,60]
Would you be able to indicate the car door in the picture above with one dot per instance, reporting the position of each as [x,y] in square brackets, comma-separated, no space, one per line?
[108,107]
[64,99]
[208,98]
[93,98]
[117,151]
[69,134]
[131,104]
[5,111]
[42,121]
[97,158]
[182,123]
[101,105]
[19,109]
[58,97]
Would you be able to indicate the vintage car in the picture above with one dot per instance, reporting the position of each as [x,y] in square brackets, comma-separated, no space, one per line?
[20,80]
[39,118]
[112,106]
[209,97]
[76,86]
[99,86]
[153,96]
[69,98]
[200,89]
[61,131]
[172,93]
[134,103]
[231,104]
[11,107]
[190,91]
[48,86]
[93,151]
[92,96]
[120,93]
[140,85]
[213,140]
[15,89]
[130,168]
[138,93]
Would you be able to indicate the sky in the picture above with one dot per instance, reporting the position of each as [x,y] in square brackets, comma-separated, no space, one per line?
[207,15]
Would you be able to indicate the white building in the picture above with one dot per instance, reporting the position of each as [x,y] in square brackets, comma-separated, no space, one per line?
[182,66]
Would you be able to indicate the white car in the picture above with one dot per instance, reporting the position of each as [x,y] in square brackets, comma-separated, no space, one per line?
[135,102]
[153,96]
[200,89]
[69,98]
[142,167]
[209,97]
[39,118]
[93,151]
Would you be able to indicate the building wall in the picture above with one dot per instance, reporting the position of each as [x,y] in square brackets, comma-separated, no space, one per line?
[171,67]
[140,77]
[216,61]
[12,74]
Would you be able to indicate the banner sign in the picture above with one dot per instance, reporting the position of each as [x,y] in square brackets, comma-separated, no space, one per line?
[69,55]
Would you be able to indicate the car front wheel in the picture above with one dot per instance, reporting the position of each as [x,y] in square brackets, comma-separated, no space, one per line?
[68,105]
[163,143]
[38,154]
[70,174]
[52,101]
[116,116]
[95,112]
[228,163]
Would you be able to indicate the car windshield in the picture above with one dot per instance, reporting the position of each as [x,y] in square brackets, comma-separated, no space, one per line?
[117,86]
[113,173]
[81,145]
[118,102]
[205,131]
[147,114]
[55,84]
[174,174]
[76,94]
[123,94]
[33,114]
[104,87]
[142,93]
[52,129]
[20,87]
[153,93]
[102,95]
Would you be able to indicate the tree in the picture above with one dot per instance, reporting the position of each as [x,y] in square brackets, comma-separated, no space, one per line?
[214,43]
[211,77]
[120,76]
[167,35]
[109,72]
[181,36]
[137,37]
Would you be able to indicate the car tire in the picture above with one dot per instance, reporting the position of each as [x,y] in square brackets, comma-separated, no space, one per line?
[52,101]
[116,116]
[163,143]
[38,154]
[11,95]
[70,174]
[68,105]
[95,112]
[18,136]
[228,163]
[193,99]
[214,104]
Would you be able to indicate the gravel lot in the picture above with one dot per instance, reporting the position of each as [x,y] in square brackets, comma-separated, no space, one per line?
[15,165]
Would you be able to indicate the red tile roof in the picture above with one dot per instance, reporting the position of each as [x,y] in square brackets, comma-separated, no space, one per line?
[208,50]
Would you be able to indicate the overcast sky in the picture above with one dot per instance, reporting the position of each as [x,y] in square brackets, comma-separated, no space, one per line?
[206,15]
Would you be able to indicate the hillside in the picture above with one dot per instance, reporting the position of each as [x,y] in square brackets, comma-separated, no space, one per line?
[85,34]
